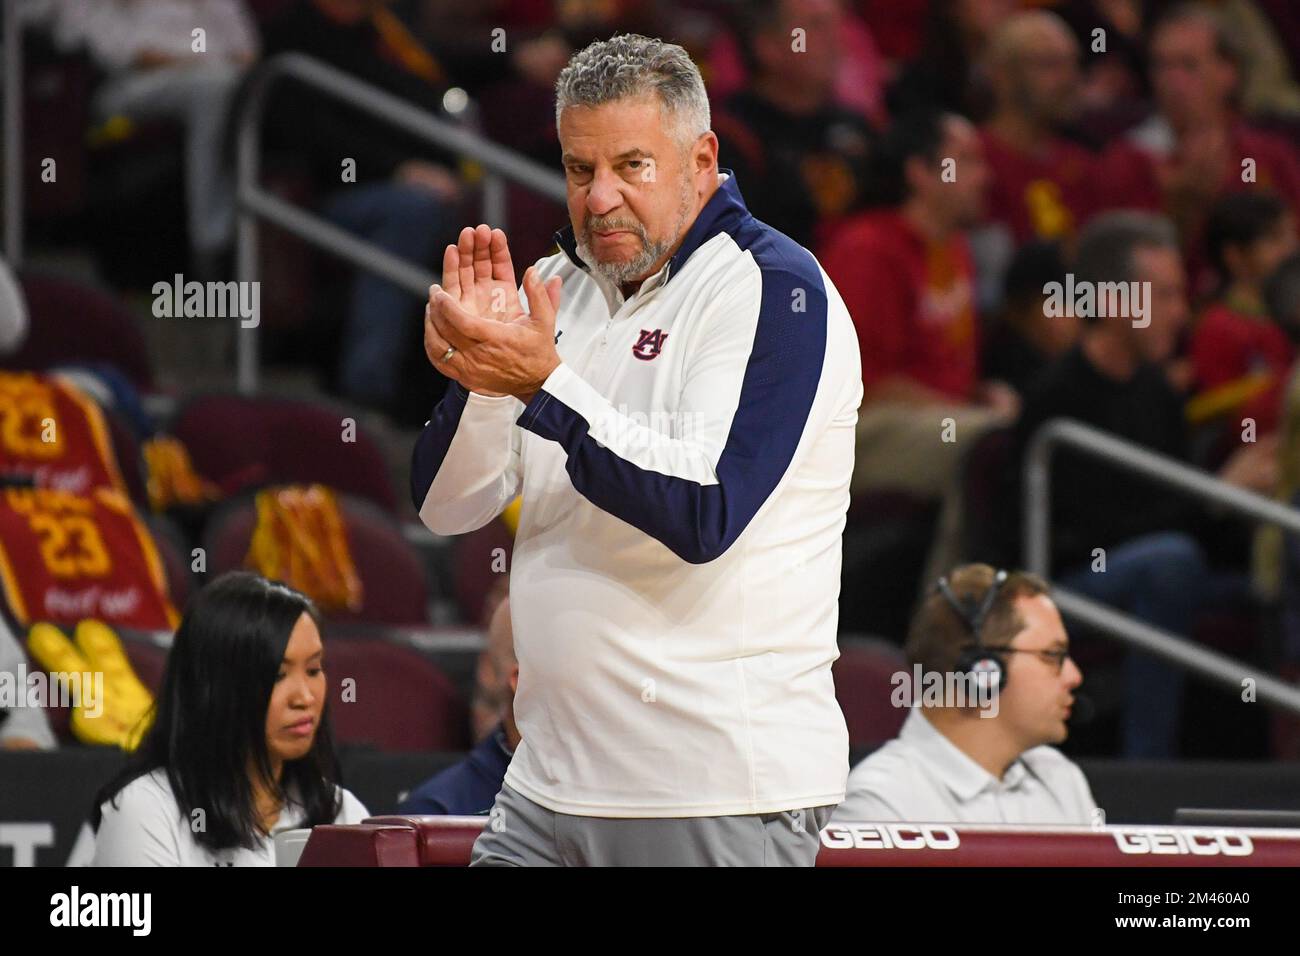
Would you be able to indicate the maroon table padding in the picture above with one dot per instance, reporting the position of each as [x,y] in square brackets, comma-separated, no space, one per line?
[360,845]
[446,841]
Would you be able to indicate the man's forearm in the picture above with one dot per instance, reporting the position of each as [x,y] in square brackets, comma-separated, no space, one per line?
[465,465]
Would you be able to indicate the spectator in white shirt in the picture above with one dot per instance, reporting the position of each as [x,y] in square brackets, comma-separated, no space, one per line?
[21,727]
[159,65]
[240,747]
[981,764]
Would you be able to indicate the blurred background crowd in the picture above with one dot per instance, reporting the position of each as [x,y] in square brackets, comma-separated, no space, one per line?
[946,160]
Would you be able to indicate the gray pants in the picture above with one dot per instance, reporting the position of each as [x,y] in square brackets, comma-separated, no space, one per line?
[522,833]
[199,97]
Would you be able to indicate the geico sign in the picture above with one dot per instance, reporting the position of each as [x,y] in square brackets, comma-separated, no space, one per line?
[889,836]
[1183,841]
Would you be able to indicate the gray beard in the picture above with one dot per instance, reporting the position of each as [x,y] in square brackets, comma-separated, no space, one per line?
[639,265]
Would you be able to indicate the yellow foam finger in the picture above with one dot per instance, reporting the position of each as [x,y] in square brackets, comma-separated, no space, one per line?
[52,650]
[120,721]
[103,649]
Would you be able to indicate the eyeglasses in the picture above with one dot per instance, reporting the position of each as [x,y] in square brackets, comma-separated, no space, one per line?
[1056,658]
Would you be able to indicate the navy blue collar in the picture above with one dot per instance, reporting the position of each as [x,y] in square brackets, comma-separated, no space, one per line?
[722,213]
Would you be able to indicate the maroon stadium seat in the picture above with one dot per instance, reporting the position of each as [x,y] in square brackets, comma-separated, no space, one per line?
[130,459]
[242,442]
[148,660]
[394,588]
[402,701]
[863,688]
[473,567]
[75,322]
[175,557]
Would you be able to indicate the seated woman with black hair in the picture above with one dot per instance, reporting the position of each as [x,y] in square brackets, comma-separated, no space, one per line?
[240,746]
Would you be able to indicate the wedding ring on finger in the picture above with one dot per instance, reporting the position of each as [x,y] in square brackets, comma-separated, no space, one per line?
[451,350]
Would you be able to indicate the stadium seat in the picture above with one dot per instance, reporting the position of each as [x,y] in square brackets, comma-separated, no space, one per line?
[130,460]
[148,660]
[174,552]
[863,686]
[472,562]
[78,445]
[243,442]
[75,322]
[401,700]
[394,588]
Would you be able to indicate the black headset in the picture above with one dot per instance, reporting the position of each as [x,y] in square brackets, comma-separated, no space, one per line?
[988,664]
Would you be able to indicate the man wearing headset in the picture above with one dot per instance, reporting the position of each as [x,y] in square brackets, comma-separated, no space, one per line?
[962,763]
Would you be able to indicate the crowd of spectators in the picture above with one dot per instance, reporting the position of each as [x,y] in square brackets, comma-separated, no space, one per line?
[948,161]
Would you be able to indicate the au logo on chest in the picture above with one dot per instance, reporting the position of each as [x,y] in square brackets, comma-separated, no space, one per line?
[649,344]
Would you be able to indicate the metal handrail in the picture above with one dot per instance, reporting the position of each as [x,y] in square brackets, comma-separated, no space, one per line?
[1037,503]
[13,14]
[254,202]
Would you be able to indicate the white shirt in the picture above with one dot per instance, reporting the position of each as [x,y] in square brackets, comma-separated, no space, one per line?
[147,829]
[20,721]
[115,32]
[685,479]
[923,777]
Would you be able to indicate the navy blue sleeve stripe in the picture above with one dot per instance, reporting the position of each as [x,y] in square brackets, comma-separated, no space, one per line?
[431,447]
[699,522]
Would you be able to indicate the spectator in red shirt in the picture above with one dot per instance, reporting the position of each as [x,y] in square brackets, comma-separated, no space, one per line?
[1042,184]
[1240,356]
[904,269]
[905,274]
[1196,147]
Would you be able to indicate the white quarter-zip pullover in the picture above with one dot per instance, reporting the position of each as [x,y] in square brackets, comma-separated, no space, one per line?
[685,479]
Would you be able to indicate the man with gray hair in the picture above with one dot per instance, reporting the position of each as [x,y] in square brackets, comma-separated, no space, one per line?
[674,395]
[1118,538]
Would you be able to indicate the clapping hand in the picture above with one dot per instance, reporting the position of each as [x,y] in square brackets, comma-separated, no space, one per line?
[476,331]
